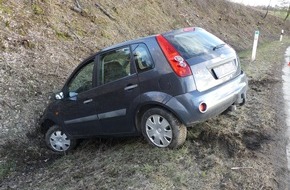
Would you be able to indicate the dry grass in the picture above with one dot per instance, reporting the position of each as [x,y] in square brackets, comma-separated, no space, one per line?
[41,44]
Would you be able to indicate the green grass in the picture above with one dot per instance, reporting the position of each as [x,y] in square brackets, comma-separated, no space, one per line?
[4,8]
[61,35]
[260,67]
[6,168]
[279,13]
[38,10]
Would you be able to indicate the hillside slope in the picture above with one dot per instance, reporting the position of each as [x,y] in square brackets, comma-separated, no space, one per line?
[42,41]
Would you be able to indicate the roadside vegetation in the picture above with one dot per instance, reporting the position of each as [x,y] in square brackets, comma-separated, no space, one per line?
[237,150]
[279,13]
[232,151]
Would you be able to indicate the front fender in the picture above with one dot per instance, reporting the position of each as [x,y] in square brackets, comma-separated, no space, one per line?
[49,117]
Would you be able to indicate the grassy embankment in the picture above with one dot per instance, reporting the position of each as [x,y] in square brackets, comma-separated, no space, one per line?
[205,161]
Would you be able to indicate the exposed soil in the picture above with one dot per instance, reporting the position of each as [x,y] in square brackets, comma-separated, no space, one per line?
[42,41]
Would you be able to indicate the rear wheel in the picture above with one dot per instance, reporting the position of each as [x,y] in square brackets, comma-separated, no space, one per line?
[162,129]
[58,141]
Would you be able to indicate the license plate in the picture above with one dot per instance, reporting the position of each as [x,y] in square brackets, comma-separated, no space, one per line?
[225,69]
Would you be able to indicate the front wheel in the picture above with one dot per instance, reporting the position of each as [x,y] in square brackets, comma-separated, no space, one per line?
[58,141]
[162,129]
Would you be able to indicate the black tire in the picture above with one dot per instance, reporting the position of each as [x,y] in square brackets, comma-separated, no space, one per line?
[162,129]
[58,141]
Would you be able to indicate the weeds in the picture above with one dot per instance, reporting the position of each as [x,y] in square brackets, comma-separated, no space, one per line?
[37,10]
[4,8]
[212,147]
[6,167]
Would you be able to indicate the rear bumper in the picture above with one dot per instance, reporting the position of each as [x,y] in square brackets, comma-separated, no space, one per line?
[217,99]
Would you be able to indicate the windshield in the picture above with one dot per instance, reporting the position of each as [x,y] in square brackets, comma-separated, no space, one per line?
[194,43]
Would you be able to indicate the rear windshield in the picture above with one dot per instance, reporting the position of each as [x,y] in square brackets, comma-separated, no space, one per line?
[194,43]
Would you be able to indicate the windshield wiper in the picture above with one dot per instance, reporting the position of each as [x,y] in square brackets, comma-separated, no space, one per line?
[218,46]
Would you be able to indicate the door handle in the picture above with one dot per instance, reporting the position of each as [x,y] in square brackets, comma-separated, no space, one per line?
[130,87]
[88,101]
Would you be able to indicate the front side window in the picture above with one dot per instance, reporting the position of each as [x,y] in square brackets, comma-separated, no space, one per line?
[82,81]
[142,58]
[115,65]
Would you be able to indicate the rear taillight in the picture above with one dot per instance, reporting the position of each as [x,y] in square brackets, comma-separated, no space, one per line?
[178,64]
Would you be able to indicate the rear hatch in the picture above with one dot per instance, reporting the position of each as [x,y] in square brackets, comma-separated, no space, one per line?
[211,60]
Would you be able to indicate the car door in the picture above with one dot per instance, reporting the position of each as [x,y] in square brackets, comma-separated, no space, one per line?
[78,108]
[118,91]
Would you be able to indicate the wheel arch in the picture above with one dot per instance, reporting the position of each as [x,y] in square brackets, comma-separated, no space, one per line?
[143,108]
[46,124]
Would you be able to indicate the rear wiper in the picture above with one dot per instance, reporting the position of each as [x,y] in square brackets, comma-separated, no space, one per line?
[218,46]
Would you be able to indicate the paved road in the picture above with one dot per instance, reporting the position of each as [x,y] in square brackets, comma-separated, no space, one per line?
[286,89]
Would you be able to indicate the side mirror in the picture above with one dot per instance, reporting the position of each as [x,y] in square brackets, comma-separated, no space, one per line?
[59,96]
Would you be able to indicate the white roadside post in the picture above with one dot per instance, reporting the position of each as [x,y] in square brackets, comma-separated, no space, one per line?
[255,44]
[281,36]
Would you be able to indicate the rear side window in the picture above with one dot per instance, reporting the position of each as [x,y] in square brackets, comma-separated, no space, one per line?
[194,43]
[142,57]
[115,65]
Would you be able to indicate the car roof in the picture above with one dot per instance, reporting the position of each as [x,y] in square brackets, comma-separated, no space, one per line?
[181,30]
[143,39]
[138,40]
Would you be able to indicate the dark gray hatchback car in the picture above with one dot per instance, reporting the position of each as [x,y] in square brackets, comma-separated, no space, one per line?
[156,86]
